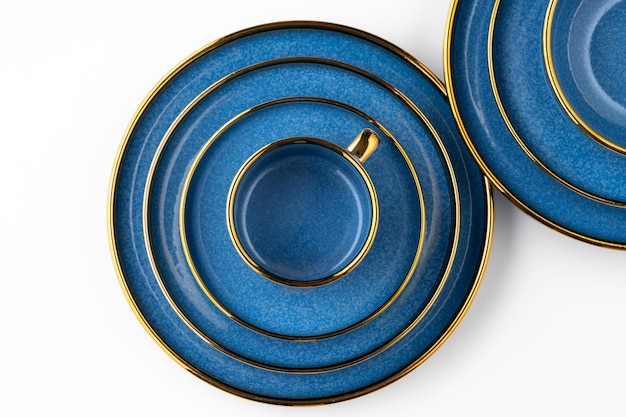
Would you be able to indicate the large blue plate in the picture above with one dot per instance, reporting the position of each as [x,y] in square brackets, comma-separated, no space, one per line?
[524,141]
[209,360]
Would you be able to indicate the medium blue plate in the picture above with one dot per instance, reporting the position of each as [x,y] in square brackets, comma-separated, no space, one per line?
[210,360]
[542,124]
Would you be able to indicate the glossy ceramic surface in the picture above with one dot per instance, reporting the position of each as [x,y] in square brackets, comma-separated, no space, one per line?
[585,57]
[303,211]
[518,131]
[428,188]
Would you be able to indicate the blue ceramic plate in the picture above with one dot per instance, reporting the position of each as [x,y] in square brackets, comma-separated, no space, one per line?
[321,311]
[155,274]
[518,131]
[585,53]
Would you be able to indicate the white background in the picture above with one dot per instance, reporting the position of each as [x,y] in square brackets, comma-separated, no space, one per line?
[545,335]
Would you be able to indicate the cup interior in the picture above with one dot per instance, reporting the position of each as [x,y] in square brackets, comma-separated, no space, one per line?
[303,211]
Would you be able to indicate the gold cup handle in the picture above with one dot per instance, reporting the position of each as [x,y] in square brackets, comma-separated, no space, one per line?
[364,144]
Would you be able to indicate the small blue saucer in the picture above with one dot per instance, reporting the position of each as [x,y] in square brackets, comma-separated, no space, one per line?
[170,302]
[585,51]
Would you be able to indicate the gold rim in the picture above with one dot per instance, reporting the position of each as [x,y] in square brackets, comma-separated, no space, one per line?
[488,232]
[230,210]
[449,82]
[558,90]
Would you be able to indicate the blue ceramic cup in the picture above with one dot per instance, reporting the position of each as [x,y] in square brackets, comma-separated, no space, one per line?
[303,211]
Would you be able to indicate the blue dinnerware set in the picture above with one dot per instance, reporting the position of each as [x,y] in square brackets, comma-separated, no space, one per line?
[301,212]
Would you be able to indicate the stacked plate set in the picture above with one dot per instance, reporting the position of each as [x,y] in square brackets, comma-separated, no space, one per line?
[275,256]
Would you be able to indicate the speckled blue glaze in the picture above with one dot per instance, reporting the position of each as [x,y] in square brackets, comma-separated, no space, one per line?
[234,375]
[546,125]
[536,113]
[589,41]
[303,211]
